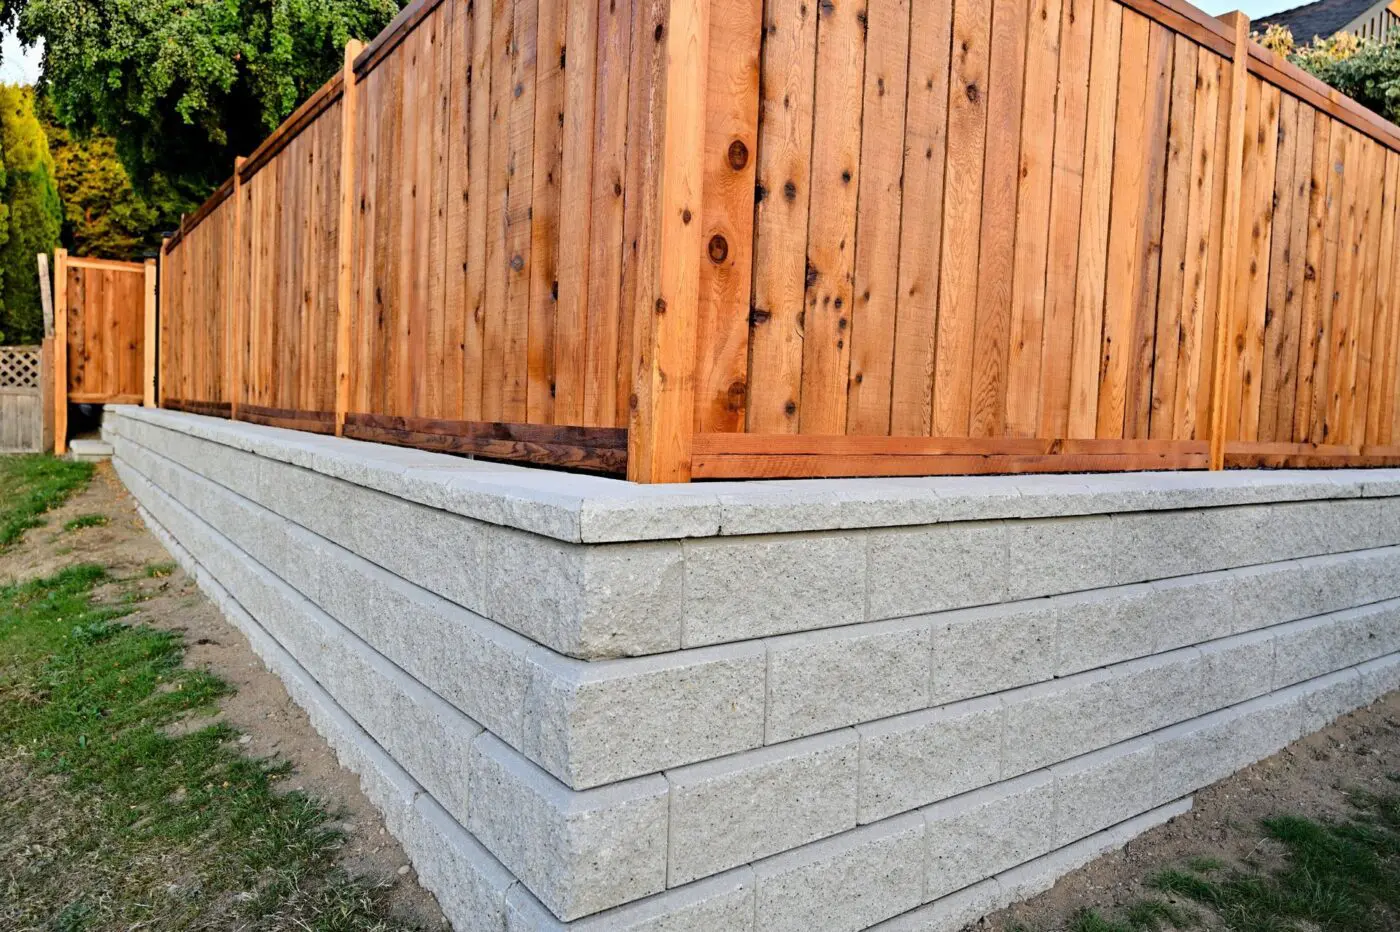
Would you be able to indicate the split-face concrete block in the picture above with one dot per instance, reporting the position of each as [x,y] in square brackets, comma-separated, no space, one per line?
[1236,669]
[938,567]
[1379,677]
[912,760]
[737,809]
[1051,722]
[954,911]
[750,587]
[578,852]
[1327,699]
[987,831]
[846,883]
[1103,788]
[1053,555]
[1313,647]
[979,651]
[1154,692]
[595,723]
[724,903]
[1095,629]
[822,680]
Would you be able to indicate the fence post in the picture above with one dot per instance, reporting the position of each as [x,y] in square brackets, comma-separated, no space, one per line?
[346,239]
[662,421]
[60,352]
[148,380]
[1229,238]
[237,297]
[163,293]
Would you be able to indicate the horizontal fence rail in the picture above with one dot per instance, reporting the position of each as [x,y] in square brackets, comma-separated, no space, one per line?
[747,238]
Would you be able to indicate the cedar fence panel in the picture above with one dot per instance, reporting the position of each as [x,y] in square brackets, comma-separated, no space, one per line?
[750,238]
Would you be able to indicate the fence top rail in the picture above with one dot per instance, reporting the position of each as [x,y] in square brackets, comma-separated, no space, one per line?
[109,265]
[326,95]
[391,35]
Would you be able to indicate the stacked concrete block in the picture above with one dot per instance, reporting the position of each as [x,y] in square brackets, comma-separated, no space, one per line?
[830,705]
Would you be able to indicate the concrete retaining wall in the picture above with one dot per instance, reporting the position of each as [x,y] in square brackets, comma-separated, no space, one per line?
[826,705]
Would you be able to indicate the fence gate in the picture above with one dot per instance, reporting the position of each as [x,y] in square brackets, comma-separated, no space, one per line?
[21,399]
[104,318]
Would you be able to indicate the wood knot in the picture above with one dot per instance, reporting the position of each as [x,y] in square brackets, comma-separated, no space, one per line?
[738,155]
[719,249]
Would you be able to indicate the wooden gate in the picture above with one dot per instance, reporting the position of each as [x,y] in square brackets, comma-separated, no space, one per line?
[104,318]
[21,399]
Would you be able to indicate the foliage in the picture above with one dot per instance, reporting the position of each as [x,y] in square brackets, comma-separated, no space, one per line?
[103,215]
[1365,70]
[29,223]
[184,86]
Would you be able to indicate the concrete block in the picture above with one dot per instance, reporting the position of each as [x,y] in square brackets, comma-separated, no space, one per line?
[846,883]
[1236,669]
[822,680]
[724,903]
[749,587]
[1105,626]
[979,651]
[470,885]
[595,723]
[982,833]
[1197,753]
[1329,698]
[1103,788]
[1379,677]
[1156,691]
[747,806]
[938,567]
[1051,722]
[1053,555]
[579,853]
[1205,607]
[912,760]
[1369,633]
[950,913]
[1313,647]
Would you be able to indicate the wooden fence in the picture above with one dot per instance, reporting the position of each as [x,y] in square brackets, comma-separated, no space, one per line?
[104,345]
[745,238]
[23,371]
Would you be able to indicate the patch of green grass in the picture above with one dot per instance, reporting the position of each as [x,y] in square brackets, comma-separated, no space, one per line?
[85,521]
[136,824]
[159,570]
[30,486]
[1333,877]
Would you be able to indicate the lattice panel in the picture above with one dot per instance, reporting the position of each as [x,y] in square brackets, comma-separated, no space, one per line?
[19,367]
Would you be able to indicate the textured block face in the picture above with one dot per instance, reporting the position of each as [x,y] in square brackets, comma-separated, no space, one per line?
[753,587]
[577,852]
[935,568]
[741,808]
[718,904]
[986,832]
[1102,789]
[1056,555]
[1237,670]
[1052,722]
[592,724]
[987,650]
[911,760]
[1326,700]
[844,884]
[823,680]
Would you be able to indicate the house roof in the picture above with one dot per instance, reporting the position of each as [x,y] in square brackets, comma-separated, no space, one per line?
[1321,18]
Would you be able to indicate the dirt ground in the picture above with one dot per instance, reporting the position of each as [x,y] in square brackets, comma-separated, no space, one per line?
[1310,777]
[272,725]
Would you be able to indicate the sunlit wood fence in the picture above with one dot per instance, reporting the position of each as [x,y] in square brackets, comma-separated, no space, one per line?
[747,238]
[104,334]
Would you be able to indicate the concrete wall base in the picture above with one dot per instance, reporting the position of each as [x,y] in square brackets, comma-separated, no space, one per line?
[834,705]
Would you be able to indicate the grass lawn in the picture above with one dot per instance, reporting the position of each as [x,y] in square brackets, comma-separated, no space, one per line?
[115,811]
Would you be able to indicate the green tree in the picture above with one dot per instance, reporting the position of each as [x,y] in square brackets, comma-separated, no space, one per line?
[103,215]
[32,214]
[1365,70]
[183,86]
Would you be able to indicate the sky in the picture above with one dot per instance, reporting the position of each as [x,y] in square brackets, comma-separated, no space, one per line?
[1251,8]
[18,65]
